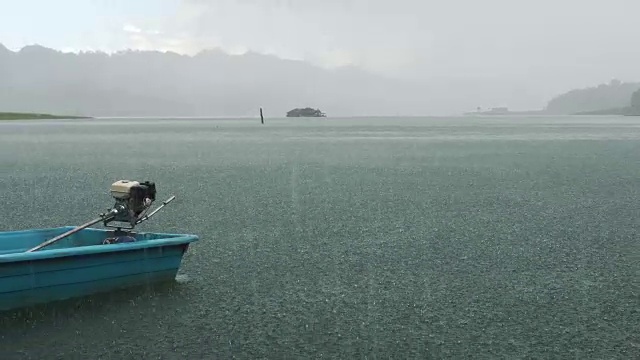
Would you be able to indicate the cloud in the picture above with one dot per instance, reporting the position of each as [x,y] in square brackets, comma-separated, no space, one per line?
[498,47]
[328,33]
[131,29]
[457,37]
[138,38]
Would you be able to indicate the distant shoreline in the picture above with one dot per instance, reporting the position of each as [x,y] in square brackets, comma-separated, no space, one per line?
[507,113]
[36,116]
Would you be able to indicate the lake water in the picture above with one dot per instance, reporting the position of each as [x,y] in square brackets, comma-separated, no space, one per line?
[346,238]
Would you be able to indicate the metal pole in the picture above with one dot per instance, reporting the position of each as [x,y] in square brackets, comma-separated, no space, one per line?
[146,217]
[70,232]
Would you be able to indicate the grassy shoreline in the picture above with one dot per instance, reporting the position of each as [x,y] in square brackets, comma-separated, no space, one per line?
[35,116]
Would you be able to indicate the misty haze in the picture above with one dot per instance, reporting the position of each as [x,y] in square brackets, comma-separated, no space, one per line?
[351,179]
[227,58]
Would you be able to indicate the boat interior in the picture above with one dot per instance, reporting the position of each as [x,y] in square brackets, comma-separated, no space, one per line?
[21,241]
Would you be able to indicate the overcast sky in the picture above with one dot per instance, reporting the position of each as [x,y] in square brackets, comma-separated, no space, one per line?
[529,50]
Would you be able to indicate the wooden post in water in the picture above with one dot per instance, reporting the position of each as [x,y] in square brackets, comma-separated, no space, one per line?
[261,117]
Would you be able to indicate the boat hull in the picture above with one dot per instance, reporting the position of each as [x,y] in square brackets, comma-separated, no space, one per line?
[83,265]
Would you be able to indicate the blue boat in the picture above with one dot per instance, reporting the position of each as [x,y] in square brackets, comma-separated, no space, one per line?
[85,262]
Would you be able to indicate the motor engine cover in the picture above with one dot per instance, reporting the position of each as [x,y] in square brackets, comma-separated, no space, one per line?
[121,189]
[132,198]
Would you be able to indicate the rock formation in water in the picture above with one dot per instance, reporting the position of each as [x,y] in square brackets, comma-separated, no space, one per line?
[305,112]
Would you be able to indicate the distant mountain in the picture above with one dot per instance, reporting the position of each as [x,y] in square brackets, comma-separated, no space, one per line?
[149,83]
[635,100]
[37,79]
[632,108]
[604,98]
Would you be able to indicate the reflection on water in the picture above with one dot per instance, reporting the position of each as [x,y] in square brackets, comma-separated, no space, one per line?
[105,303]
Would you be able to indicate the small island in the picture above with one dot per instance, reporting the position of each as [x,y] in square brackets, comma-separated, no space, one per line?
[306,112]
[35,116]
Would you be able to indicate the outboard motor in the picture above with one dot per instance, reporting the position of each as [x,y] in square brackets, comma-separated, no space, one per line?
[133,200]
